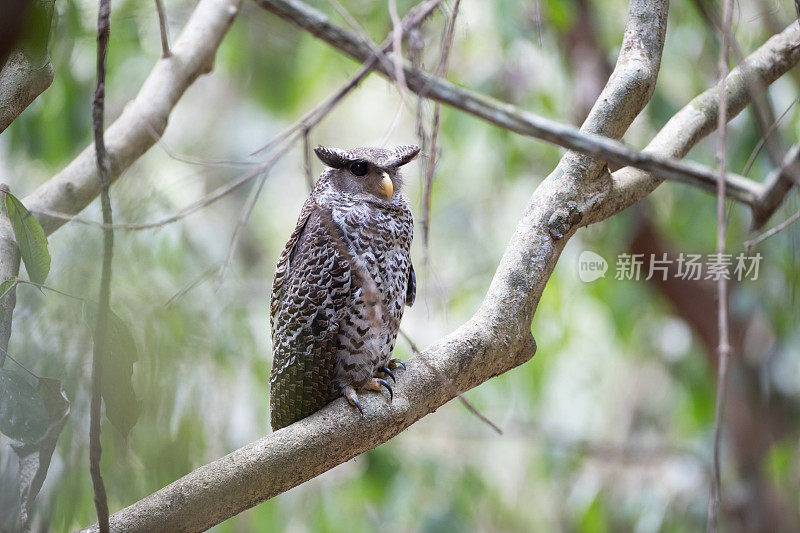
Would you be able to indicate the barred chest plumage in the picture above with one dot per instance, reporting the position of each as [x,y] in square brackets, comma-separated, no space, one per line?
[378,235]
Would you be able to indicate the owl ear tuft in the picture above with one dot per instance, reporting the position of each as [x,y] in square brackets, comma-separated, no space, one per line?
[403,154]
[333,157]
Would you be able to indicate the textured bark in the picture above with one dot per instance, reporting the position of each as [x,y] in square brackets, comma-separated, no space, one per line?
[21,81]
[26,72]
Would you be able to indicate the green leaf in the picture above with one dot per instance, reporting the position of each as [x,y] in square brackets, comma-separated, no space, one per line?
[34,459]
[122,407]
[22,412]
[31,240]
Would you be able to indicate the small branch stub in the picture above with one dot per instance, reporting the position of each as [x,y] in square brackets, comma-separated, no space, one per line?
[563,219]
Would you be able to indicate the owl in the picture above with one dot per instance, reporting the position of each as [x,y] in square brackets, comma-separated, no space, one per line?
[341,285]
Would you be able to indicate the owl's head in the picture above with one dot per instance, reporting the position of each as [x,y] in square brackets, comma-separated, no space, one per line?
[366,170]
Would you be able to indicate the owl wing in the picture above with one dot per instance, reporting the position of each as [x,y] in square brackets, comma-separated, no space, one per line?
[283,261]
[310,294]
[411,288]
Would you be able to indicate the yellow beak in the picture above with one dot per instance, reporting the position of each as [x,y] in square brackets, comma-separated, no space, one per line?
[386,186]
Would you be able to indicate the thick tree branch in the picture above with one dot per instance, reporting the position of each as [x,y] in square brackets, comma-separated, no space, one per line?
[22,79]
[143,119]
[496,339]
[27,71]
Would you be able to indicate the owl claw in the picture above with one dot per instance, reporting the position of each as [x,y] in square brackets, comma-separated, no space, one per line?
[394,363]
[376,384]
[352,397]
[387,372]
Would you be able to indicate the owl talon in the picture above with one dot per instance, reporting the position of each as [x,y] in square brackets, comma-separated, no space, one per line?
[394,363]
[376,384]
[385,371]
[352,397]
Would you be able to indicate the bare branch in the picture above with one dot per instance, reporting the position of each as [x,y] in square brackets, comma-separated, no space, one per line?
[773,231]
[764,136]
[430,166]
[98,352]
[130,135]
[251,203]
[723,343]
[777,185]
[162,24]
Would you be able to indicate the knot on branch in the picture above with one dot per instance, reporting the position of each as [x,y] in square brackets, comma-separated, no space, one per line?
[563,219]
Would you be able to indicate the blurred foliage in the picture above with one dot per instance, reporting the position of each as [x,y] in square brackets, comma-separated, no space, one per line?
[608,428]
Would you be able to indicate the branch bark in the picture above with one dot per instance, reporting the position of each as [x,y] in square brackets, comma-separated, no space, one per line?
[143,120]
[27,71]
[496,339]
[22,79]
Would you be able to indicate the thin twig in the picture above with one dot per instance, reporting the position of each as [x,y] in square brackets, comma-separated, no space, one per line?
[753,87]
[245,216]
[101,156]
[471,408]
[765,136]
[13,360]
[307,161]
[181,293]
[774,231]
[186,211]
[724,348]
[47,287]
[195,160]
[414,18]
[162,23]
[437,111]
[397,38]
[11,287]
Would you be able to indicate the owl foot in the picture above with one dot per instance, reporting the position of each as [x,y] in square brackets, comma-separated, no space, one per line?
[352,397]
[394,363]
[383,372]
[376,384]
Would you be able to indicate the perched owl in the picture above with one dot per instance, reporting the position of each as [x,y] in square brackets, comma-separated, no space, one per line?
[341,284]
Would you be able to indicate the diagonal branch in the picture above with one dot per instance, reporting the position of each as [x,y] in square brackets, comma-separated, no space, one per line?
[131,135]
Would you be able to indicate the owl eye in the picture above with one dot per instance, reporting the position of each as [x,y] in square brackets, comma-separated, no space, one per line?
[359,168]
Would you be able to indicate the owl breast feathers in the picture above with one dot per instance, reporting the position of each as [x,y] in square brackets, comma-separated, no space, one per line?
[341,284]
